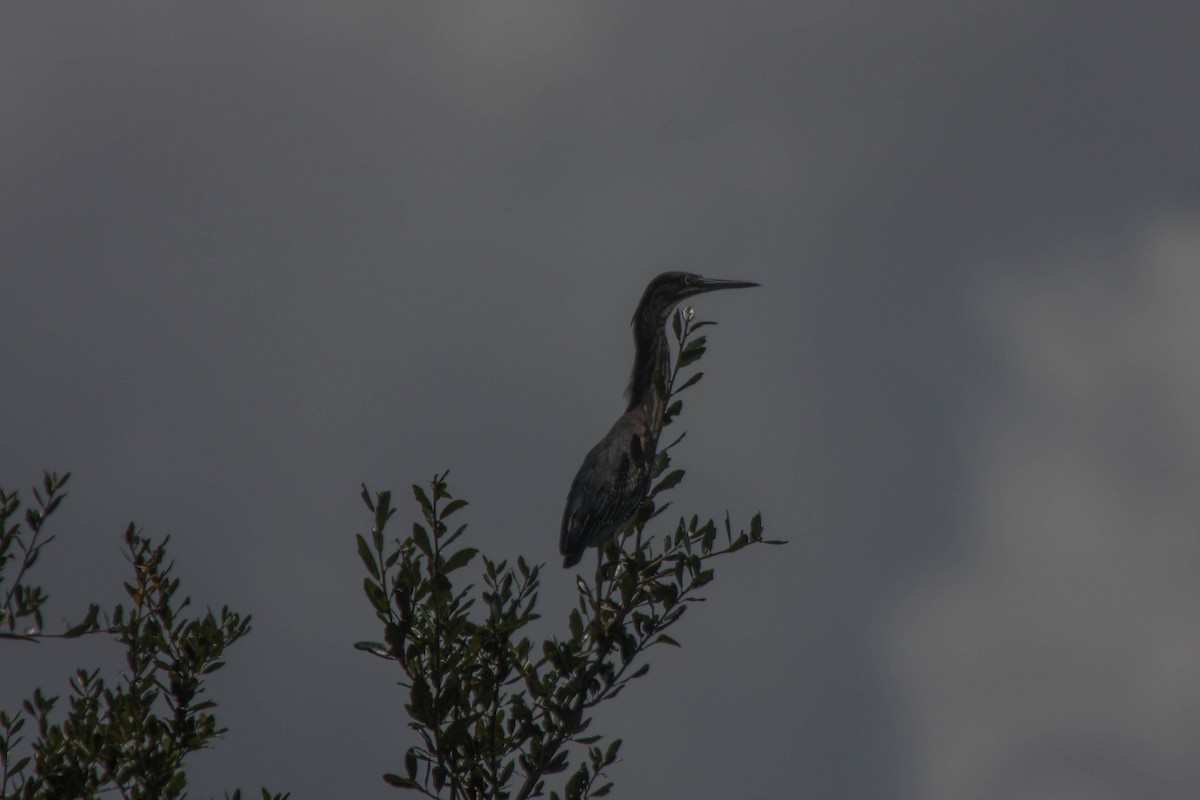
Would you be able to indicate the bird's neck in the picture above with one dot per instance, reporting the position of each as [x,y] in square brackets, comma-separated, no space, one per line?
[651,355]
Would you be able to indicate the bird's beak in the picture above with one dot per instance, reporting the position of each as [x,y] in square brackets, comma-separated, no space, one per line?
[712,284]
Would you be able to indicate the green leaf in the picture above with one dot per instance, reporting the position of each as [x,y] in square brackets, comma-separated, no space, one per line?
[611,754]
[576,624]
[374,648]
[383,512]
[689,382]
[457,533]
[662,637]
[426,506]
[88,624]
[439,487]
[671,480]
[558,764]
[678,439]
[420,537]
[460,559]
[575,785]
[368,558]
[375,595]
[396,780]
[756,528]
[452,506]
[421,707]
[692,351]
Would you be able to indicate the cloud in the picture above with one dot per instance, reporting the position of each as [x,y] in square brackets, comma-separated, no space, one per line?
[1060,657]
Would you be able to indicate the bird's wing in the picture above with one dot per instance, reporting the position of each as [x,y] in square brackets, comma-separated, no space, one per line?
[608,487]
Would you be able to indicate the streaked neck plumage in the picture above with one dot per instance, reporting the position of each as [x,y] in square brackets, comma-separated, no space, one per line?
[651,354]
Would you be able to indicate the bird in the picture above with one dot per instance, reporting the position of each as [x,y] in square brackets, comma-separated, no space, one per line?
[615,474]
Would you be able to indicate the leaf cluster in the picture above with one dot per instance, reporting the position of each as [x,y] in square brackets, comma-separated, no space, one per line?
[498,715]
[21,543]
[129,736]
[460,667]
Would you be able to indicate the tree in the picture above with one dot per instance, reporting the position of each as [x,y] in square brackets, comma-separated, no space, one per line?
[495,713]
[131,735]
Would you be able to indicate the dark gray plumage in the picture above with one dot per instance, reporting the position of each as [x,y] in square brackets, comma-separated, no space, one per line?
[615,474]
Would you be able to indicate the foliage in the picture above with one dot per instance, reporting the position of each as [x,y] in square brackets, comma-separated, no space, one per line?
[23,600]
[496,715]
[131,735]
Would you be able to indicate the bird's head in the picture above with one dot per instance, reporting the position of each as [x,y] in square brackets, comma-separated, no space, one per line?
[671,288]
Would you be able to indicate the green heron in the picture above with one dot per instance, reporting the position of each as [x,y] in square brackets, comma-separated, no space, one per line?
[615,474]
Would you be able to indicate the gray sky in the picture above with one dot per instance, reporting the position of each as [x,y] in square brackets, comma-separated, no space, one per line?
[250,258]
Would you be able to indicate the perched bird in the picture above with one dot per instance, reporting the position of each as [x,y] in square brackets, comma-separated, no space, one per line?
[615,474]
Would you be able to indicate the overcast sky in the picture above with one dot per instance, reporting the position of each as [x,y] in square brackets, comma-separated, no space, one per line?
[253,256]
